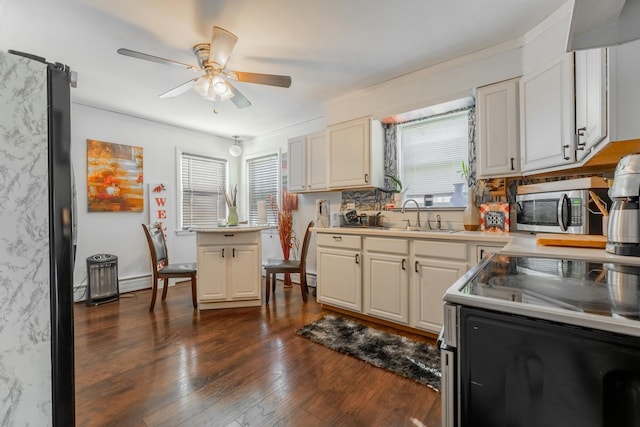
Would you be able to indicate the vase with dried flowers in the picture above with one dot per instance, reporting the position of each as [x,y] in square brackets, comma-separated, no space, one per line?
[286,233]
[230,199]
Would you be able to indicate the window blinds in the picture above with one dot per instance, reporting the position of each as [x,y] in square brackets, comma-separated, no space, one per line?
[432,152]
[262,180]
[202,201]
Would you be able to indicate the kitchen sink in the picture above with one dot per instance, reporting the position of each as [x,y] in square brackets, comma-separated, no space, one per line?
[421,230]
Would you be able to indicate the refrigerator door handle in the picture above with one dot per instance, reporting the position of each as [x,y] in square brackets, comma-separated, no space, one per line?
[66,222]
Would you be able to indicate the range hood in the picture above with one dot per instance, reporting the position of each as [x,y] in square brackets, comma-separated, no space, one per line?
[601,23]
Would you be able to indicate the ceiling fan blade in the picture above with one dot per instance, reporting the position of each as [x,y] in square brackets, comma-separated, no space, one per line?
[261,79]
[178,90]
[238,99]
[147,57]
[222,43]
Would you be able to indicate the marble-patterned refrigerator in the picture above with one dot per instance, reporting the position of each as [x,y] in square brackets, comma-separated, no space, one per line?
[36,259]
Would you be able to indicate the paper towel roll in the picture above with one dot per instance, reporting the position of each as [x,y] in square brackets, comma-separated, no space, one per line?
[262,212]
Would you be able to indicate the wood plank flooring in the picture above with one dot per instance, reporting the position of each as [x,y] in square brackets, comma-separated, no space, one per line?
[233,367]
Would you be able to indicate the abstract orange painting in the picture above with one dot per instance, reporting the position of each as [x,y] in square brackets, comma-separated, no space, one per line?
[114,177]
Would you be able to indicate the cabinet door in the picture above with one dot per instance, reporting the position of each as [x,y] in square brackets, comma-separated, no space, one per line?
[212,273]
[296,158]
[431,279]
[244,267]
[349,153]
[497,107]
[547,116]
[591,99]
[386,286]
[316,161]
[339,278]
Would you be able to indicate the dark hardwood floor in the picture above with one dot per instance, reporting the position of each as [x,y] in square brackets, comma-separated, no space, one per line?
[232,367]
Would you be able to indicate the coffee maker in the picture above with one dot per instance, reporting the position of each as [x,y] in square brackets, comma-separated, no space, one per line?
[624,216]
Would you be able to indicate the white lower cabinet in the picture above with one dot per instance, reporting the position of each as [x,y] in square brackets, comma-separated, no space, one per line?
[229,270]
[401,280]
[225,273]
[339,263]
[436,266]
[386,279]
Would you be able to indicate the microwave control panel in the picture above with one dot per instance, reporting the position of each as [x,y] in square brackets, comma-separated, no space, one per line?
[576,212]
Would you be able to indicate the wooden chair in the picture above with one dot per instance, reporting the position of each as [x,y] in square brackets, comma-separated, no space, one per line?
[290,266]
[161,267]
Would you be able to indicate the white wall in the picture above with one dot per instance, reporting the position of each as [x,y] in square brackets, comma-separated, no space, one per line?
[431,86]
[120,233]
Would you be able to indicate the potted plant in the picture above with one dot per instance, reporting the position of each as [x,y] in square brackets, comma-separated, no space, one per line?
[397,189]
[471,215]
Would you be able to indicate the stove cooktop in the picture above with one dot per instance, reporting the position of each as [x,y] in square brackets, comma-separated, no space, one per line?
[559,289]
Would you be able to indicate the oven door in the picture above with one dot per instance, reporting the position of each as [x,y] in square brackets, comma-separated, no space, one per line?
[517,371]
[544,212]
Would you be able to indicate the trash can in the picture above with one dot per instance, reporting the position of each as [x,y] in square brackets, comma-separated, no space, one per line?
[102,274]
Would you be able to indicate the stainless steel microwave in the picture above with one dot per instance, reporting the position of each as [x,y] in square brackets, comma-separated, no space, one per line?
[560,212]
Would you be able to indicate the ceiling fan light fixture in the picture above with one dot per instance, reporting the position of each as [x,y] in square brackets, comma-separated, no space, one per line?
[227,95]
[235,150]
[219,86]
[201,86]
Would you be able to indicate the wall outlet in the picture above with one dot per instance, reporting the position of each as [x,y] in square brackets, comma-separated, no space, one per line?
[351,206]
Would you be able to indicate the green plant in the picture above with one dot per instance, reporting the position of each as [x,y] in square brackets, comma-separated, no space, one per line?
[464,171]
[397,185]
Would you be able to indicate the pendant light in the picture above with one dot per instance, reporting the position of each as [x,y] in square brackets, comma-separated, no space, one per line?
[235,150]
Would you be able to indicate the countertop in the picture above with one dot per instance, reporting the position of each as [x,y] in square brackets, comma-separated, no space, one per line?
[242,228]
[516,243]
[431,234]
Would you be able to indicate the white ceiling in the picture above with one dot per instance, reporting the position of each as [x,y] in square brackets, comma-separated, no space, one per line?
[328,47]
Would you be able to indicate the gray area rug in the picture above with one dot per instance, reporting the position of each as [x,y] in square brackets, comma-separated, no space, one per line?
[403,356]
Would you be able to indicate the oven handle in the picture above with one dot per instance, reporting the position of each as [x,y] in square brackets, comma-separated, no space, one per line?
[564,207]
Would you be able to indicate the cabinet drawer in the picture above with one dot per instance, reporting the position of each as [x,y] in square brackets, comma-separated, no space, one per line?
[339,241]
[437,249]
[230,237]
[387,245]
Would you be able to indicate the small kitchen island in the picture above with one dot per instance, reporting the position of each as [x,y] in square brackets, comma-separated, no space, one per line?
[229,266]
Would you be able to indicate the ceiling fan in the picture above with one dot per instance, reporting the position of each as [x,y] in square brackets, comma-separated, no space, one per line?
[212,59]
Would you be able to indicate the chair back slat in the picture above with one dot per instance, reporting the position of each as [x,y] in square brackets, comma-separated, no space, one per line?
[305,247]
[157,245]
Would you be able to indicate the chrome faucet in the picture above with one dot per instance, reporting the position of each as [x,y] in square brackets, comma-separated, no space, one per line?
[438,223]
[417,210]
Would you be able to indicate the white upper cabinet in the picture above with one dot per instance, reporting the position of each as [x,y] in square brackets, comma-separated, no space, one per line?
[307,162]
[356,154]
[317,161]
[497,127]
[547,115]
[591,99]
[296,162]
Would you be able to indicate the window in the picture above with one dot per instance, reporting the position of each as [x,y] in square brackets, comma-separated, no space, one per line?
[202,201]
[431,152]
[262,182]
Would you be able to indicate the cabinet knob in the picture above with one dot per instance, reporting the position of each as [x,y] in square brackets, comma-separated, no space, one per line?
[233,252]
[512,166]
[564,147]
[366,178]
[404,262]
[416,266]
[357,258]
[222,252]
[337,237]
